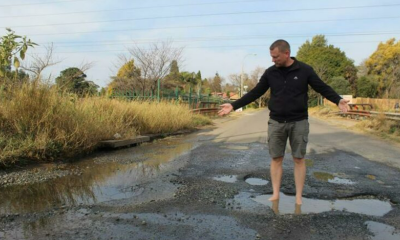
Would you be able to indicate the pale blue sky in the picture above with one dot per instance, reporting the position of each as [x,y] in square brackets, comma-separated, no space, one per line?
[214,42]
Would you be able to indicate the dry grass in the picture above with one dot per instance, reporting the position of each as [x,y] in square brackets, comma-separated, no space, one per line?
[379,125]
[38,123]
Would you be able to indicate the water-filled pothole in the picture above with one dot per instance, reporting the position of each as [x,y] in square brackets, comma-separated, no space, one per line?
[286,205]
[99,182]
[256,181]
[382,231]
[327,177]
[226,178]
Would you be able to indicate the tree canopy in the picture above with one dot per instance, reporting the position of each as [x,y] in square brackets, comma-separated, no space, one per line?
[384,64]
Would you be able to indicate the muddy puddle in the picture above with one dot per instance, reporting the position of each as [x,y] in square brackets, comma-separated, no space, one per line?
[382,231]
[286,205]
[111,178]
[327,177]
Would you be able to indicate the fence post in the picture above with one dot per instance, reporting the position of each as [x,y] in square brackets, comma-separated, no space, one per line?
[158,90]
[190,96]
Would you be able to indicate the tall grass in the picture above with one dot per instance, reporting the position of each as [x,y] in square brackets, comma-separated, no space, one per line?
[39,123]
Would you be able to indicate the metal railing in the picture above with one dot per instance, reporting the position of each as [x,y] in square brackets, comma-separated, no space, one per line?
[367,112]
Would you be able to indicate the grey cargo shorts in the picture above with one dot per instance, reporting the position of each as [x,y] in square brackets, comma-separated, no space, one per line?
[278,133]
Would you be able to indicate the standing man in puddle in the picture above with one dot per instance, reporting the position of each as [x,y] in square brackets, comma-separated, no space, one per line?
[288,80]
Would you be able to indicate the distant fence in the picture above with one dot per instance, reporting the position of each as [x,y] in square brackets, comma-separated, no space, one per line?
[193,100]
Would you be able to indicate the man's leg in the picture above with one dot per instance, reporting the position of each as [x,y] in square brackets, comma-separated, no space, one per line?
[299,177]
[276,177]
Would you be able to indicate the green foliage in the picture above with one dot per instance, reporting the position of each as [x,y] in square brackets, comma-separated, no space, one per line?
[341,85]
[173,79]
[385,64]
[327,61]
[13,49]
[73,80]
[127,79]
[367,86]
[216,85]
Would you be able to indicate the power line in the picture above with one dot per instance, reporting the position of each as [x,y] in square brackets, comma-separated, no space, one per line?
[207,47]
[40,3]
[241,37]
[207,15]
[219,25]
[135,8]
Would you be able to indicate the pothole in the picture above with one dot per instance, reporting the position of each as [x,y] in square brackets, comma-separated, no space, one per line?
[286,205]
[382,231]
[226,178]
[327,177]
[256,181]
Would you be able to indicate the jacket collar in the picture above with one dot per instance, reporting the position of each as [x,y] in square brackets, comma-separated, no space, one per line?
[295,65]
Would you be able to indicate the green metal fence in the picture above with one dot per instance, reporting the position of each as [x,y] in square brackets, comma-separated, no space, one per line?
[194,100]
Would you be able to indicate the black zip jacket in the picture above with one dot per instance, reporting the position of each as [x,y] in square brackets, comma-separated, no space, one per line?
[289,97]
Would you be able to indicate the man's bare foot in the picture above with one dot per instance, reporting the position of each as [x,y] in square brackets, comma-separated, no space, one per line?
[299,201]
[275,206]
[274,198]
[297,209]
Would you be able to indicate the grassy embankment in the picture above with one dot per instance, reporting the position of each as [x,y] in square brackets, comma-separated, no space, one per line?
[37,123]
[378,126]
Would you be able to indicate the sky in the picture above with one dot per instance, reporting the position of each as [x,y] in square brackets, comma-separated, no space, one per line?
[217,36]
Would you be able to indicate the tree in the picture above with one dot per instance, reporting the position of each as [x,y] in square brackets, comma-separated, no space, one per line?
[384,63]
[341,85]
[128,78]
[39,63]
[155,61]
[367,86]
[216,85]
[188,79]
[327,61]
[73,80]
[255,76]
[173,79]
[205,86]
[13,49]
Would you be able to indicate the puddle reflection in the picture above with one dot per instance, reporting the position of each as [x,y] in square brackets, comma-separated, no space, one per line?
[286,205]
[98,183]
[228,179]
[256,181]
[382,231]
[327,177]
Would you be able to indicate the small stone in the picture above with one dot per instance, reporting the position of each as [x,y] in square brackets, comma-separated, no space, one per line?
[144,223]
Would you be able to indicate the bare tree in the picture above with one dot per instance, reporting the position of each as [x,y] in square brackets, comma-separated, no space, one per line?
[40,63]
[154,61]
[255,78]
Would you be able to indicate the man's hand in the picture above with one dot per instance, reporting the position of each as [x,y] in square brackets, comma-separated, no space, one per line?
[343,106]
[226,108]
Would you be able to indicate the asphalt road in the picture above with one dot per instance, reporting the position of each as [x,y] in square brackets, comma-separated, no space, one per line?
[214,184]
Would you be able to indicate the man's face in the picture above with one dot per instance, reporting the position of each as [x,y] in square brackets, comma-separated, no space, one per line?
[279,58]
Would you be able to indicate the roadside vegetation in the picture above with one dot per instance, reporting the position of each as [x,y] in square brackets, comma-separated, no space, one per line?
[39,123]
[378,126]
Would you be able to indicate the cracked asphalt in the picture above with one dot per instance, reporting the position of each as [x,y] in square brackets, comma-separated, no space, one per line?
[194,187]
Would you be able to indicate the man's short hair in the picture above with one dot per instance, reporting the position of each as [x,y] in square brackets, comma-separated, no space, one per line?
[281,44]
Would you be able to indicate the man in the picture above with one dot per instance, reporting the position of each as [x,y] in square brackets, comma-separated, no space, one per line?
[288,80]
